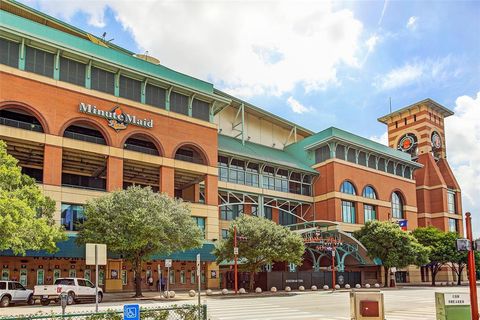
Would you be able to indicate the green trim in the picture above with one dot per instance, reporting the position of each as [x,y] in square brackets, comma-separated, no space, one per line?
[21,55]
[56,66]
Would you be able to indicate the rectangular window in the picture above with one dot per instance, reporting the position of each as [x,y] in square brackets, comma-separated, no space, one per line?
[183,277]
[231,212]
[452,225]
[101,277]
[39,62]
[72,71]
[200,221]
[224,233]
[268,212]
[57,273]
[370,213]
[155,96]
[23,277]
[285,218]
[87,274]
[223,168]
[254,210]
[5,274]
[171,277]
[9,52]
[200,110]
[451,201]
[130,88]
[193,277]
[178,103]
[72,273]
[72,216]
[124,277]
[102,80]
[348,212]
[40,277]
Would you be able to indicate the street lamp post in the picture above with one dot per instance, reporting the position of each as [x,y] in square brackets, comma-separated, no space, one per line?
[235,254]
[471,268]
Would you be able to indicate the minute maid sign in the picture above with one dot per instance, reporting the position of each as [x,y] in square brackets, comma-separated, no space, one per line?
[117,119]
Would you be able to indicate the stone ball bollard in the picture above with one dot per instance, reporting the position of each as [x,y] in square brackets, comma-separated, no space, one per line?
[273,289]
[171,294]
[192,293]
[224,291]
[325,287]
[367,285]
[337,286]
[242,291]
[301,288]
[358,286]
[314,288]
[209,292]
[377,285]
[258,290]
[347,286]
[288,289]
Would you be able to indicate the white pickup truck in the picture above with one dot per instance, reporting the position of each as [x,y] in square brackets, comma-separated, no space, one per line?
[78,289]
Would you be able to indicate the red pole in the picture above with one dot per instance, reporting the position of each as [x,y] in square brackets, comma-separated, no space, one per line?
[333,268]
[235,257]
[472,279]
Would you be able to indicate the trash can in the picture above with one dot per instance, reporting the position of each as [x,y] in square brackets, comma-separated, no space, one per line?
[452,306]
[366,304]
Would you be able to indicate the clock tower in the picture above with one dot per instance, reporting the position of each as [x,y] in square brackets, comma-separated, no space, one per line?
[419,130]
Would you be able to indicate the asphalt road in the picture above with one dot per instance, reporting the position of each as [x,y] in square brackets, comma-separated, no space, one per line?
[406,303]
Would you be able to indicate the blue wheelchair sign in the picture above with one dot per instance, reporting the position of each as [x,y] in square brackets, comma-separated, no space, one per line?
[131,312]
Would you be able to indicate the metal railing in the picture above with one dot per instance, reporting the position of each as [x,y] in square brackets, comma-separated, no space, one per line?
[141,149]
[185,312]
[84,137]
[188,158]
[21,124]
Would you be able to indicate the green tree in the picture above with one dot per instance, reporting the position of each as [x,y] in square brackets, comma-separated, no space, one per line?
[26,215]
[395,247]
[441,245]
[138,223]
[265,243]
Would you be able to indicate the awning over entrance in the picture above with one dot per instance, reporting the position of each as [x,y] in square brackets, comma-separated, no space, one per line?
[321,237]
[70,249]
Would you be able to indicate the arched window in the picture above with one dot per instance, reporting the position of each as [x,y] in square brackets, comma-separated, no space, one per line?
[397,206]
[190,154]
[347,187]
[84,131]
[141,143]
[369,192]
[20,119]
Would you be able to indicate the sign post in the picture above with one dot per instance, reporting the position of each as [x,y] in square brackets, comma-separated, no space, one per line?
[235,253]
[96,254]
[168,264]
[199,286]
[333,269]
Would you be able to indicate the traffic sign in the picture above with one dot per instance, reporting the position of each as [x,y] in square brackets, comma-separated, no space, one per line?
[168,263]
[235,250]
[131,312]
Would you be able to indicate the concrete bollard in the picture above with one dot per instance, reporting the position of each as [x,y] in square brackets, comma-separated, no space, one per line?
[258,290]
[325,287]
[358,286]
[301,288]
[242,291]
[192,293]
[273,289]
[377,285]
[367,286]
[288,289]
[224,291]
[171,294]
[347,286]
[337,286]
[314,288]
[209,292]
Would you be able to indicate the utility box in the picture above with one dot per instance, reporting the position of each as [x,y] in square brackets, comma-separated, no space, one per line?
[366,305]
[452,306]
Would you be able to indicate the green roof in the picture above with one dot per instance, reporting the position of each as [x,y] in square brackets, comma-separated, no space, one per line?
[70,249]
[25,27]
[256,151]
[301,148]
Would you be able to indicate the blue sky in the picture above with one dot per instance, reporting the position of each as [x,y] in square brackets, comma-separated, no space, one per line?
[316,63]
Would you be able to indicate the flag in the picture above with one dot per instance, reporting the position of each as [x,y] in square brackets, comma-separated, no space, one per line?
[403,224]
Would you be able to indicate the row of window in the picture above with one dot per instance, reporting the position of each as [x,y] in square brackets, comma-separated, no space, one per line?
[363,158]
[233,211]
[349,188]
[73,215]
[71,71]
[268,177]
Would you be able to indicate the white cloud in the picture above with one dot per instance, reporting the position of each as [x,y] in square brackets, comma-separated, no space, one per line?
[432,70]
[383,139]
[372,42]
[463,152]
[297,107]
[412,23]
[247,48]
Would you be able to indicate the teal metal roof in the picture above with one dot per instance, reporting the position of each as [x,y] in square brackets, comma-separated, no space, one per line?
[256,151]
[301,149]
[46,34]
[70,249]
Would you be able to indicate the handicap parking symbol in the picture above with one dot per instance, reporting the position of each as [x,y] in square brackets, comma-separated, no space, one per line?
[131,312]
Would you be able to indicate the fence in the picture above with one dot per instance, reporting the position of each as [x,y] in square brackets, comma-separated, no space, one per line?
[185,312]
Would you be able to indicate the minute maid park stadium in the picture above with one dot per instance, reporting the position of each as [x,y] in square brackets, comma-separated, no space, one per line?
[85,117]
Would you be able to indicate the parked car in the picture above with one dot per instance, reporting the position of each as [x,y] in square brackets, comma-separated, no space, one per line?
[14,292]
[78,290]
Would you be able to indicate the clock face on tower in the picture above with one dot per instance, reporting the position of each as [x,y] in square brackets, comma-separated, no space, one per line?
[408,143]
[436,140]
